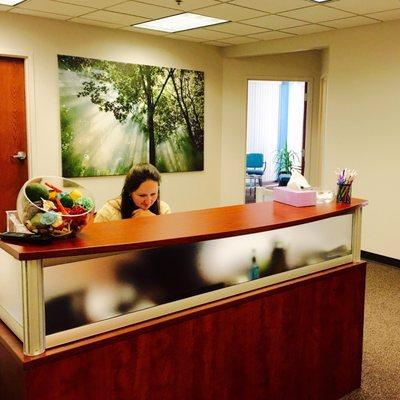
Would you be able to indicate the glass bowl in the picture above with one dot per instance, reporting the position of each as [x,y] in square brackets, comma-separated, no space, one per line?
[55,206]
[324,196]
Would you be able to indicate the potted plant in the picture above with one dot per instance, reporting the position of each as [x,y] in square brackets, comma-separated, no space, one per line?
[285,160]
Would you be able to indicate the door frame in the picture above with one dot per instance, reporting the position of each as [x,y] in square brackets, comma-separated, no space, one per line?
[309,135]
[30,113]
[322,102]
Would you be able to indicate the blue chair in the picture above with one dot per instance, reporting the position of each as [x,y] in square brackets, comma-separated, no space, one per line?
[255,166]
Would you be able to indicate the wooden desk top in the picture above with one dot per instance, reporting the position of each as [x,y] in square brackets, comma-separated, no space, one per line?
[178,228]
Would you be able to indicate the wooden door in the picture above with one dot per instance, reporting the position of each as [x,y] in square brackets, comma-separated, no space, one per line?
[14,171]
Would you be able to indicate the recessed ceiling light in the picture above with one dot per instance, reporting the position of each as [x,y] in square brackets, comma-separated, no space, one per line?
[10,2]
[319,1]
[180,22]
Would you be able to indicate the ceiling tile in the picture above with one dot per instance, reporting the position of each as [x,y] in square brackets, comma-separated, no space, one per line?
[275,22]
[205,34]
[184,37]
[229,12]
[92,3]
[186,5]
[54,7]
[115,18]
[271,35]
[365,6]
[236,28]
[142,10]
[317,14]
[96,23]
[145,31]
[272,6]
[259,19]
[240,40]
[352,21]
[305,30]
[39,14]
[217,43]
[386,15]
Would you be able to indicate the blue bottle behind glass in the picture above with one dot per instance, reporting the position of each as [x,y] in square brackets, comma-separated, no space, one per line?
[254,270]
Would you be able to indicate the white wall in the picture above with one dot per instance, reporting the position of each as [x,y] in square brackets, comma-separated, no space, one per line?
[296,66]
[362,126]
[40,40]
[362,107]
[362,118]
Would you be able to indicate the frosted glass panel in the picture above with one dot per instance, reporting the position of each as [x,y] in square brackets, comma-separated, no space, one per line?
[11,286]
[82,292]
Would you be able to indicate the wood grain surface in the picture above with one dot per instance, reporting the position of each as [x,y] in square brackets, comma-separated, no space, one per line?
[177,228]
[14,173]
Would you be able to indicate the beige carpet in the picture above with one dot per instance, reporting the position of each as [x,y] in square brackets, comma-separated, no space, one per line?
[381,355]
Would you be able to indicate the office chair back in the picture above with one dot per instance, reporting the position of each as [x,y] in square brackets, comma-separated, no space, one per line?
[255,167]
[254,160]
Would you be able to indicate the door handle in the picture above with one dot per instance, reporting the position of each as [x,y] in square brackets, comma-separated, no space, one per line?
[21,155]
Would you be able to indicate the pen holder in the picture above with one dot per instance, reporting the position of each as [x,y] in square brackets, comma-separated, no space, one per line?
[343,194]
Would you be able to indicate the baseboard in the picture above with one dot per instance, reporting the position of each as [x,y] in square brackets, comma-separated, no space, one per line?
[379,258]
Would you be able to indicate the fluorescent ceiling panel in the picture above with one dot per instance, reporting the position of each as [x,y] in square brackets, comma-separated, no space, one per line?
[180,22]
[10,2]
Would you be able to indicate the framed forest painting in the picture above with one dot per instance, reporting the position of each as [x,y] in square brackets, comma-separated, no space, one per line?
[114,115]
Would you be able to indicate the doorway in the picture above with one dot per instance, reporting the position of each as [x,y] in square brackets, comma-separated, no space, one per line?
[13,148]
[276,117]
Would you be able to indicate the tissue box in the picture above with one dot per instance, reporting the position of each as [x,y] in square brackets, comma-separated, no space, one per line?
[294,197]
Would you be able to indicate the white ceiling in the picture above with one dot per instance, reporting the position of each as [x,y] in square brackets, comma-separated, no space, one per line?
[251,20]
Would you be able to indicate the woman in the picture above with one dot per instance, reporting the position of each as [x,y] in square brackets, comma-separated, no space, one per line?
[139,196]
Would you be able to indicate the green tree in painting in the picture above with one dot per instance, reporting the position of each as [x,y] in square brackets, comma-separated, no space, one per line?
[189,94]
[139,89]
[70,161]
[167,104]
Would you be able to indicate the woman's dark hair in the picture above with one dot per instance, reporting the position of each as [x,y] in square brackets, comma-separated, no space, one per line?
[138,174]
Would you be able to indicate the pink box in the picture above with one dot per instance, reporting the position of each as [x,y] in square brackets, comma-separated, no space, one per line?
[293,197]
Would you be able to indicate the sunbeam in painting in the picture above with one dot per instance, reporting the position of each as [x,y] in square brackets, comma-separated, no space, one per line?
[114,115]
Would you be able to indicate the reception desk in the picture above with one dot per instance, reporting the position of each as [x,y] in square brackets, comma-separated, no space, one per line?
[243,302]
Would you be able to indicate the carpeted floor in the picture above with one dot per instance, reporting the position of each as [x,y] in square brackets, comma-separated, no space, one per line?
[381,354]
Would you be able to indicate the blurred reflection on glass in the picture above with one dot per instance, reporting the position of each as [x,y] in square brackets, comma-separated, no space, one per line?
[83,292]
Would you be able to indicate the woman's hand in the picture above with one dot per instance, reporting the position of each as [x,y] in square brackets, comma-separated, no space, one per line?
[142,213]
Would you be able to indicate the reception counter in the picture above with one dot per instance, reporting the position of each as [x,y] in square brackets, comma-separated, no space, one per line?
[252,301]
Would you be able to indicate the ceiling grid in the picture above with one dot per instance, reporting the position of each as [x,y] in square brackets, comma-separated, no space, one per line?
[250,20]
